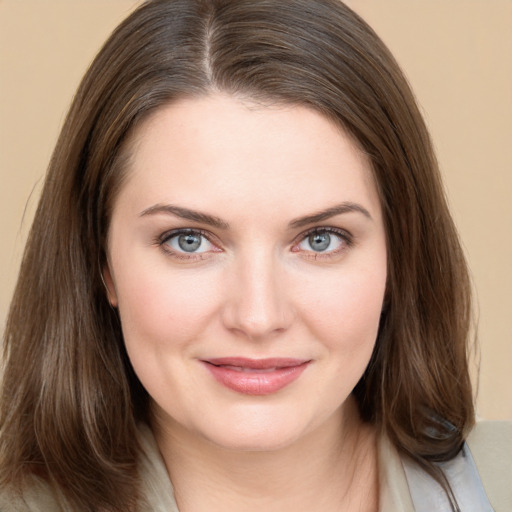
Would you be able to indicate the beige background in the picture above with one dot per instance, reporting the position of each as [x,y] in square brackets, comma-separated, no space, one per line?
[456,53]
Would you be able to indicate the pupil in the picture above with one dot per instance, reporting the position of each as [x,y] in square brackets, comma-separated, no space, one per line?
[320,241]
[189,242]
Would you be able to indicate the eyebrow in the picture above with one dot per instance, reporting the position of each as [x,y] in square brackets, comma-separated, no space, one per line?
[346,207]
[211,220]
[185,213]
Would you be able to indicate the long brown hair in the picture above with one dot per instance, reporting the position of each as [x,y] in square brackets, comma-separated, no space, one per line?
[70,401]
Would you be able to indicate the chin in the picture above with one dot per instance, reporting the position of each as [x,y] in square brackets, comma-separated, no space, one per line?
[256,431]
[248,441]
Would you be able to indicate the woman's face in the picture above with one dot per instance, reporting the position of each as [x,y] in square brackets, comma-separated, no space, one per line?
[247,258]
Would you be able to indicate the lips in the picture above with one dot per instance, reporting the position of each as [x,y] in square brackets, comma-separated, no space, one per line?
[255,376]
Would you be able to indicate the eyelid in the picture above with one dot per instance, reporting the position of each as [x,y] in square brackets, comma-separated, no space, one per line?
[172,233]
[345,235]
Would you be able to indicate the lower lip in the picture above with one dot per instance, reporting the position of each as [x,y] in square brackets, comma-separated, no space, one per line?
[256,383]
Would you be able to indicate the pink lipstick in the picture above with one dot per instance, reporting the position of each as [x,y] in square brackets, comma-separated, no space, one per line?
[255,376]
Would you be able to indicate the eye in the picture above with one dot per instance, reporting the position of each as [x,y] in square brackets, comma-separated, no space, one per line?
[324,241]
[187,241]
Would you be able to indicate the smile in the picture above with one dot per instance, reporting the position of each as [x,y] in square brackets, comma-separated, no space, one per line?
[255,376]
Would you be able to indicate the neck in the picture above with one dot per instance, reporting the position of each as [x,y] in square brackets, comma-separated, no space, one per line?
[331,468]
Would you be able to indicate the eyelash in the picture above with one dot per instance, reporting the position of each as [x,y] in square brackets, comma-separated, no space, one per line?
[169,235]
[346,238]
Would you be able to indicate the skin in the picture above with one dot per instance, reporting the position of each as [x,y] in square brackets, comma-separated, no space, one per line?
[255,288]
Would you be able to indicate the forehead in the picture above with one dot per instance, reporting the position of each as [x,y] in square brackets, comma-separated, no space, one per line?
[216,150]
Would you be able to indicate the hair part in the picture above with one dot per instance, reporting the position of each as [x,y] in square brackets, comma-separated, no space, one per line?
[70,400]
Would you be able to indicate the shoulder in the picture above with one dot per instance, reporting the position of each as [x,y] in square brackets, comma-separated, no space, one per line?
[36,497]
[157,492]
[490,443]
[480,475]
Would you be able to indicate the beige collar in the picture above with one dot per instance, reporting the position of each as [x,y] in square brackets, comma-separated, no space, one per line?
[394,495]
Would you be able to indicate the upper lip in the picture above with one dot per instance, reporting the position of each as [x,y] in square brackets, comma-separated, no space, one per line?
[257,364]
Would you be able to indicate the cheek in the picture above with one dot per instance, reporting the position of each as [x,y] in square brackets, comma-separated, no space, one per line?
[163,308]
[344,309]
[163,315]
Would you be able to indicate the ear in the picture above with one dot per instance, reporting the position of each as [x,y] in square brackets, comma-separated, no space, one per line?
[109,286]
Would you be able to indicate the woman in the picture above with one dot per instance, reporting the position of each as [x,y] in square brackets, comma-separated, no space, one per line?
[243,288]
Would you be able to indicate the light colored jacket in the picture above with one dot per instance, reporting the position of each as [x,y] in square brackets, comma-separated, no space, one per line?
[490,444]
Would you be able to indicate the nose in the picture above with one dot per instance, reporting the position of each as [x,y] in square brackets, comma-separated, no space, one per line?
[257,306]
